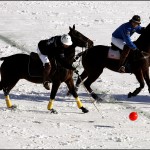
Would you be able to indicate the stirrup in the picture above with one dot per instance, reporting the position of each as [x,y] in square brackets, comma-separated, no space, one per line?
[46,85]
[122,69]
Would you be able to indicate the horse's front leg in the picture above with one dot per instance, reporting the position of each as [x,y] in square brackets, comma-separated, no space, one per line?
[54,90]
[87,84]
[72,90]
[80,79]
[139,77]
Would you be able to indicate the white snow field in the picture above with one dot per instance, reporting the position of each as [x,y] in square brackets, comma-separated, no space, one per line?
[107,126]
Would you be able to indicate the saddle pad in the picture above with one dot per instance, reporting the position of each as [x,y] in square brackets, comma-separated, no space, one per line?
[35,67]
[113,54]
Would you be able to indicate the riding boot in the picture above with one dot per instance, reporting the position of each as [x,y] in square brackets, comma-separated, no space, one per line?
[46,72]
[123,57]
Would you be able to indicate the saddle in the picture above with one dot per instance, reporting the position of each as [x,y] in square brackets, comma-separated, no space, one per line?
[114,47]
[35,66]
[114,52]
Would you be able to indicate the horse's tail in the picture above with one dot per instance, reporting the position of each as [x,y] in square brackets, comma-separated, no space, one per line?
[78,56]
[1,84]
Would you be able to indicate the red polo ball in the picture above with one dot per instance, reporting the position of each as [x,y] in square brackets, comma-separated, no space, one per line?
[133,116]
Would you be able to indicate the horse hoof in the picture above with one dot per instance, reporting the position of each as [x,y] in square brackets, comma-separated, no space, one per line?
[53,111]
[130,95]
[94,96]
[13,107]
[84,110]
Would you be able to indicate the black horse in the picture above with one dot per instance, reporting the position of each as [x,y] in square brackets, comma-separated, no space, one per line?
[30,67]
[95,59]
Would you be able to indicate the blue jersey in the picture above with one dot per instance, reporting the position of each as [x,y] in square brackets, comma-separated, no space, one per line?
[125,31]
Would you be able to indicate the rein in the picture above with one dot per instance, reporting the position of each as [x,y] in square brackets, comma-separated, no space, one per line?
[77,56]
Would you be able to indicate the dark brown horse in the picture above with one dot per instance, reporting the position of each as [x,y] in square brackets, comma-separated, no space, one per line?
[95,59]
[29,67]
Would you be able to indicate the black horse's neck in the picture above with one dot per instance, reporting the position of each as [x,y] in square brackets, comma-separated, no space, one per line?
[143,42]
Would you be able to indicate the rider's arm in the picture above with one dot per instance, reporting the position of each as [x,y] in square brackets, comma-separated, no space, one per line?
[127,39]
[140,29]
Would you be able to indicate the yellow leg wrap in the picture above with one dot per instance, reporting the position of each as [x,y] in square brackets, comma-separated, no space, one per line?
[79,103]
[50,104]
[8,101]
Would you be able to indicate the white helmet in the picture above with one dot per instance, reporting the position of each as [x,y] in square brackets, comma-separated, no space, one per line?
[66,39]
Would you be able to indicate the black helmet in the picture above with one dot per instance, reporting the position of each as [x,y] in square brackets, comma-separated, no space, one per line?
[136,19]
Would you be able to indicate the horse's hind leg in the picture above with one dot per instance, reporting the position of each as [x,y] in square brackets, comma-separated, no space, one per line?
[139,77]
[72,90]
[52,97]
[7,86]
[80,79]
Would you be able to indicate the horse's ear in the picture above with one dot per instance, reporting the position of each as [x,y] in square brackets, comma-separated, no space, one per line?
[74,27]
[70,28]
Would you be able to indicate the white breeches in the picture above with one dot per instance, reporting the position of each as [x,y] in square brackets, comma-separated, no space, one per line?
[43,58]
[118,42]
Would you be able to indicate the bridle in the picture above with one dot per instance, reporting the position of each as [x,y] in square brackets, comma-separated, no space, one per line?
[85,41]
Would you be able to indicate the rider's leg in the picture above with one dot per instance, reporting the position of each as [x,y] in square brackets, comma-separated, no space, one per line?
[47,69]
[125,52]
[123,57]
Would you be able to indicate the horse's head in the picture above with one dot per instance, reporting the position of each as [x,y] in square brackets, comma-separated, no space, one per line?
[79,39]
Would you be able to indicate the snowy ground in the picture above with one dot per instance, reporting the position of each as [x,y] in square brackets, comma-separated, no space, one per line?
[23,24]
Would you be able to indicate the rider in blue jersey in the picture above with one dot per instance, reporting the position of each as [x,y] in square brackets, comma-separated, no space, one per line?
[121,38]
